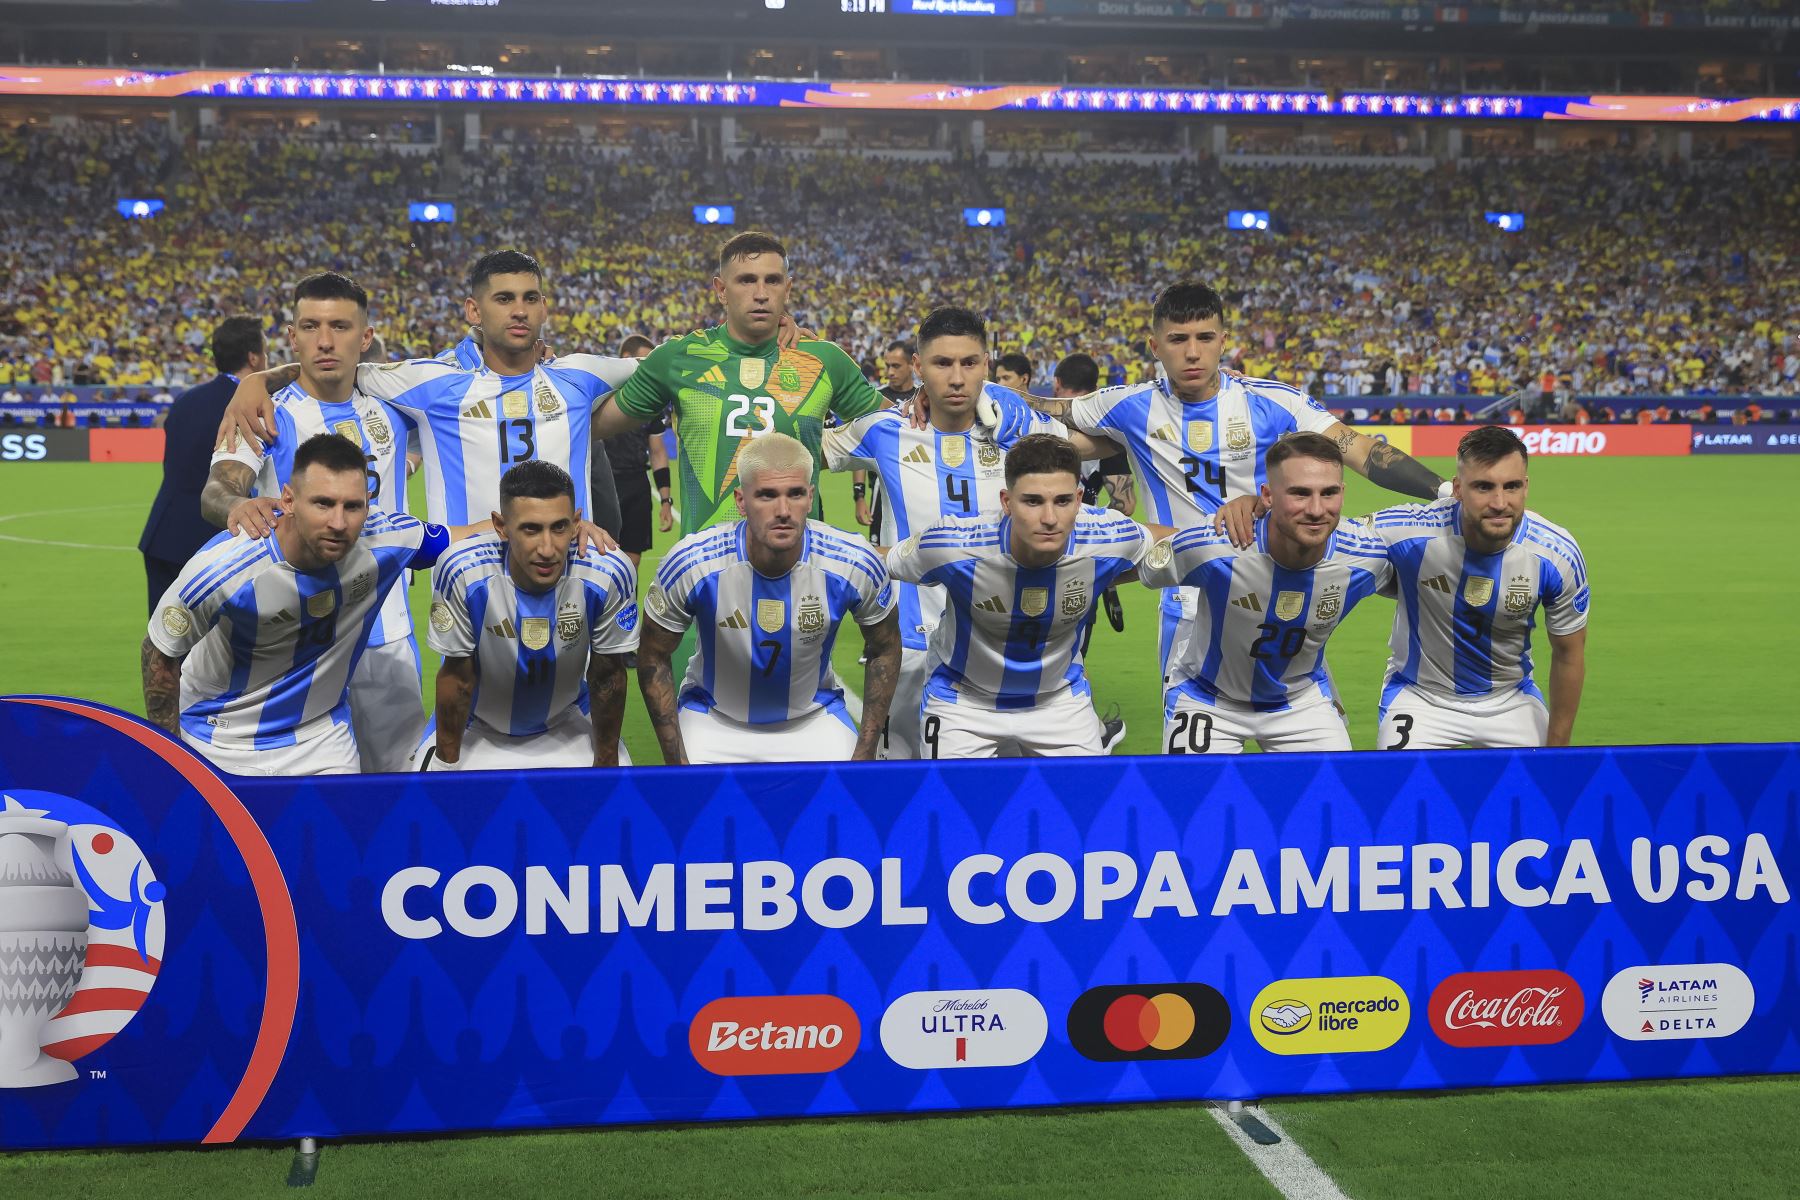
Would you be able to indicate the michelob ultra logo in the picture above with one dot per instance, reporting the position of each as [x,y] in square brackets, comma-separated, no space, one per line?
[774,1035]
[981,1027]
[1348,1015]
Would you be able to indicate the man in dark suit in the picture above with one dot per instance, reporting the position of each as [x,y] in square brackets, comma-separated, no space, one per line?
[176,529]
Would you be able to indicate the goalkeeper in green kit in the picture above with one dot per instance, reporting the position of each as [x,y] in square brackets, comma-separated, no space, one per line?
[732,382]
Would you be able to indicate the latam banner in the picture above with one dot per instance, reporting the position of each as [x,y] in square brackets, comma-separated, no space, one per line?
[1746,439]
[1567,441]
[185,958]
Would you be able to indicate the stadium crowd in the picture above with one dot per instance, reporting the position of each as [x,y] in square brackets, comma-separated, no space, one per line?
[1372,281]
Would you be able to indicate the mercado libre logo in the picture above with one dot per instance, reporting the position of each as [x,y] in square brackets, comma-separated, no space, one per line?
[1148,1022]
[81,934]
[1355,1013]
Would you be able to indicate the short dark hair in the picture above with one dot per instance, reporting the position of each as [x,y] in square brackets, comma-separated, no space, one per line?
[502,262]
[1488,445]
[234,341]
[329,285]
[1015,362]
[536,479]
[1180,303]
[903,346]
[748,243]
[950,321]
[1079,373]
[1303,444]
[633,344]
[1042,454]
[330,451]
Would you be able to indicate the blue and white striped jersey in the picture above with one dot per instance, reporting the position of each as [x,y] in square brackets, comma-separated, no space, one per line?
[1010,637]
[925,476]
[764,645]
[465,354]
[1462,625]
[530,648]
[1191,458]
[370,424]
[270,649]
[1258,633]
[473,425]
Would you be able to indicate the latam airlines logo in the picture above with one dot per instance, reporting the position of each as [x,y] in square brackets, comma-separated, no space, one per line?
[774,1035]
[995,1027]
[81,934]
[1506,1008]
[1694,1000]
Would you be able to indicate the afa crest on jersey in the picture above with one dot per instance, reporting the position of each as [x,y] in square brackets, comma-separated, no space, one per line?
[1518,595]
[568,623]
[1074,599]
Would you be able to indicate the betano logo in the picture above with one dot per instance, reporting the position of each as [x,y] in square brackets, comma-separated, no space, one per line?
[994,1027]
[1149,1021]
[1689,1000]
[1354,1014]
[774,1035]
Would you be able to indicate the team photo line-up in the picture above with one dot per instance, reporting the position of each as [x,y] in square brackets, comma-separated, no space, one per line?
[284,645]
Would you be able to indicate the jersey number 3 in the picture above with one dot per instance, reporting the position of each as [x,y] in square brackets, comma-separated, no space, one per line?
[738,419]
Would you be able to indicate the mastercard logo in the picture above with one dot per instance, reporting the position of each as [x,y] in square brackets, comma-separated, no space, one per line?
[1136,1022]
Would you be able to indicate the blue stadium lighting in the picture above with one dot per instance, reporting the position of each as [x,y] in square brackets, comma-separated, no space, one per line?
[139,210]
[715,214]
[432,213]
[1242,219]
[1508,222]
[984,218]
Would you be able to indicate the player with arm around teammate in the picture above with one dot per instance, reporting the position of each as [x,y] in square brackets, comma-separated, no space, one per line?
[1470,574]
[766,595]
[251,650]
[1253,663]
[1007,676]
[534,635]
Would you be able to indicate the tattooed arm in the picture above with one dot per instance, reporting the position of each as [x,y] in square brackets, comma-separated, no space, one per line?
[606,701]
[881,645]
[162,688]
[226,501]
[1383,464]
[656,679]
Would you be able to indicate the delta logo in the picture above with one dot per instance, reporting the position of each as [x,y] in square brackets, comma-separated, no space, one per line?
[1677,1003]
[774,1035]
[1148,1022]
[1506,1008]
[991,1027]
[1349,1015]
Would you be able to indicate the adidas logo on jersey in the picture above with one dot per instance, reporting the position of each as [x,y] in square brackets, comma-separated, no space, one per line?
[281,618]
[735,620]
[503,629]
[918,454]
[1253,602]
[1440,582]
[480,410]
[713,375]
[1165,433]
[993,604]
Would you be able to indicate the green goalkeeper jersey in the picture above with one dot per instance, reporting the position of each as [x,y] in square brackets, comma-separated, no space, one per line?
[724,392]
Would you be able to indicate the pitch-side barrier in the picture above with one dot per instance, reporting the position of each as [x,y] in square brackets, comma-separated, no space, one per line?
[188,958]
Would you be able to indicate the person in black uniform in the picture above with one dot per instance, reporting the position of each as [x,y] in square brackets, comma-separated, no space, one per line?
[628,456]
[176,530]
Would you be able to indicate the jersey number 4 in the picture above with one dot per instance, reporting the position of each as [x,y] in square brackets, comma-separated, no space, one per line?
[738,419]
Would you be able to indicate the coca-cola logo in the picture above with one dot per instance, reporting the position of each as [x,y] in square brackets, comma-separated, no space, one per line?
[1506,1008]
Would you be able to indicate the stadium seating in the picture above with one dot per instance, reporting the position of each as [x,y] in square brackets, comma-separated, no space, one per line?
[1375,280]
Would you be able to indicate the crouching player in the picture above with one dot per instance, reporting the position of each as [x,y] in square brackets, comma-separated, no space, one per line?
[1250,663]
[1006,679]
[1470,574]
[534,635]
[765,595]
[251,650]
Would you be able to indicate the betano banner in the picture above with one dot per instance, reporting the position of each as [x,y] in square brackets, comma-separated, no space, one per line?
[186,958]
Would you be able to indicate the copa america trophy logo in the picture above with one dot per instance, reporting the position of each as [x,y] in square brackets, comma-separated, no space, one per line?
[43,942]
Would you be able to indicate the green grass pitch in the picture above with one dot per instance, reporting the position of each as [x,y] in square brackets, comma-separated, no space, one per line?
[1694,571]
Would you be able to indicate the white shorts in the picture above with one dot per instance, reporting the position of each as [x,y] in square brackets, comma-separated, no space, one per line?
[384,705]
[901,738]
[1177,605]
[333,753]
[568,743]
[1312,723]
[1416,719]
[822,736]
[1063,726]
